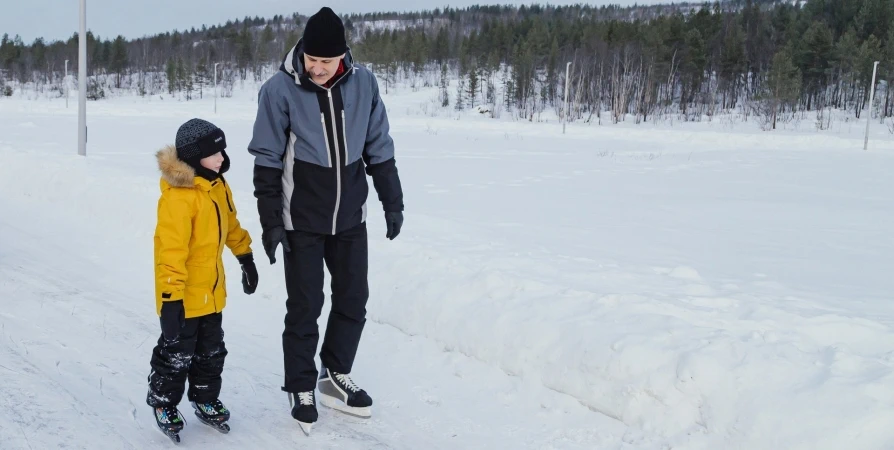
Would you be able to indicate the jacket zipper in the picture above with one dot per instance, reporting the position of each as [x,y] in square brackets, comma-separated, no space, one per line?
[337,161]
[344,130]
[326,138]
[334,138]
[227,194]
[217,255]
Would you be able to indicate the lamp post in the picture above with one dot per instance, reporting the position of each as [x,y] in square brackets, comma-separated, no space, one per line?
[82,82]
[65,84]
[869,113]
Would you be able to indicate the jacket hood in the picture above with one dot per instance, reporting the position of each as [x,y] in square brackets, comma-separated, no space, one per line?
[174,170]
[293,65]
[180,174]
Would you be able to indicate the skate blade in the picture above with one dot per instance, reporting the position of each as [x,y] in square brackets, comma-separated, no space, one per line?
[174,436]
[222,427]
[338,405]
[305,427]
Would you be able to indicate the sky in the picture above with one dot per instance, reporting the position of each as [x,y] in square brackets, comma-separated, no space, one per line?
[58,19]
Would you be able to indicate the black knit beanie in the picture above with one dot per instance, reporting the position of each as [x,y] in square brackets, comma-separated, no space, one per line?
[198,139]
[324,35]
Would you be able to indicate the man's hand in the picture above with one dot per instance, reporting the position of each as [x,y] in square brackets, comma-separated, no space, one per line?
[271,239]
[393,220]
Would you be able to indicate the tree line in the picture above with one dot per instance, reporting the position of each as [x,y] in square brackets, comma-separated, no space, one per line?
[770,59]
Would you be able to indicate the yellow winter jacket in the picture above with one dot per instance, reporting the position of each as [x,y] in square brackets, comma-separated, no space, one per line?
[196,218]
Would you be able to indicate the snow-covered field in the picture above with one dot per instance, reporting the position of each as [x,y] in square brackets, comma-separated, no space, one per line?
[700,286]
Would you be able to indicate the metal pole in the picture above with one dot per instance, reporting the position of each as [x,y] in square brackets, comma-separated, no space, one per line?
[82,82]
[66,84]
[871,99]
[215,87]
[567,83]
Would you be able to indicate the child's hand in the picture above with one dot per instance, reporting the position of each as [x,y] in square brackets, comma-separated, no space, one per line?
[249,273]
[172,319]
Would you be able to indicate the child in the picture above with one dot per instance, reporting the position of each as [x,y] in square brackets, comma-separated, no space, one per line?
[196,217]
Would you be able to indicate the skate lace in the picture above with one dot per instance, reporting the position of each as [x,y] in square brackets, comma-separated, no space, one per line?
[213,407]
[167,414]
[306,398]
[347,382]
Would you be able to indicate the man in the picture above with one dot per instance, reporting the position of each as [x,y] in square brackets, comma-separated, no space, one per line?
[320,123]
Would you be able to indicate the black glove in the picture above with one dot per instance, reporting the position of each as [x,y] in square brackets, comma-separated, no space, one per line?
[393,220]
[272,238]
[172,319]
[249,273]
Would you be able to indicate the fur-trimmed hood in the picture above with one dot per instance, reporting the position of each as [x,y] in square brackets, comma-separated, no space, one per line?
[179,173]
[174,170]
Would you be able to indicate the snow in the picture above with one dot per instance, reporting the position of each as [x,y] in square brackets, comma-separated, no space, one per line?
[685,286]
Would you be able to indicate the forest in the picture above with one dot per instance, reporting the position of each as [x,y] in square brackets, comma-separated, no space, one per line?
[771,60]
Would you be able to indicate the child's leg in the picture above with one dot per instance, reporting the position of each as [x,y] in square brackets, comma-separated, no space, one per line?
[208,362]
[170,366]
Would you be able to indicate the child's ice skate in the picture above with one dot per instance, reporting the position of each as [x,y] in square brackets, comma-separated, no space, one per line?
[214,414]
[169,421]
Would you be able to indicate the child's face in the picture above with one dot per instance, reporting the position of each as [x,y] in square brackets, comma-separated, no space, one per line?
[213,162]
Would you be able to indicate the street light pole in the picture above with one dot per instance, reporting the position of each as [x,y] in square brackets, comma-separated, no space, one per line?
[65,81]
[215,87]
[82,82]
[869,113]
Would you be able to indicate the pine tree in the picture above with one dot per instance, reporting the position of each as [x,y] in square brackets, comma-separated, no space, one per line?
[814,58]
[693,67]
[244,55]
[783,84]
[870,51]
[119,59]
[474,83]
[171,72]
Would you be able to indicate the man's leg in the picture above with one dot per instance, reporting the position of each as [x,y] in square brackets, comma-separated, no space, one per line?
[304,284]
[170,366]
[347,258]
[208,362]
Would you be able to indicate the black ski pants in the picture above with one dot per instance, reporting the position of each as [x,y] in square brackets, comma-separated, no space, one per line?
[197,356]
[346,256]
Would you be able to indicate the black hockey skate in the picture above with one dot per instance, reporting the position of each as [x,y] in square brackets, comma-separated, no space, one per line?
[214,414]
[169,421]
[338,391]
[304,409]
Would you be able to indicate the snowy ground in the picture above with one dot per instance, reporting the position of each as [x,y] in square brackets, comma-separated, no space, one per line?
[700,286]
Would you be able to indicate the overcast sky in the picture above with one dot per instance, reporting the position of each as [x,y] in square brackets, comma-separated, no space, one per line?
[58,19]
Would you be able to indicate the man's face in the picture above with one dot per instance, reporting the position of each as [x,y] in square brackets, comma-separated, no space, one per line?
[321,69]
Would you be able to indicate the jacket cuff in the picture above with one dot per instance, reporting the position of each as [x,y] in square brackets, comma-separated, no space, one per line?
[268,191]
[387,184]
[174,296]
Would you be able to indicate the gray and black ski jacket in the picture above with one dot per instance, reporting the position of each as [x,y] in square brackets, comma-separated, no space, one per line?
[312,146]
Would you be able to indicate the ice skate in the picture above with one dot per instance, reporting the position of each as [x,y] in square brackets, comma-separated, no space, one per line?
[214,414]
[304,409]
[339,392]
[169,421]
